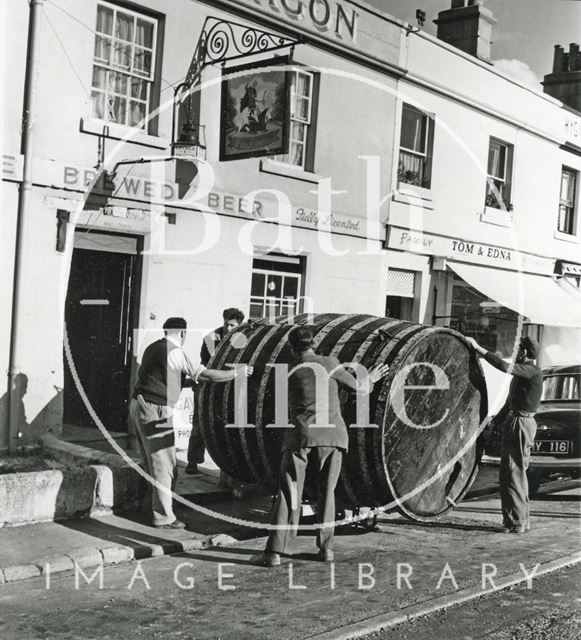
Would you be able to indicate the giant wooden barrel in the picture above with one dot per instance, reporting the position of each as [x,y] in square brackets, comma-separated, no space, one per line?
[422,456]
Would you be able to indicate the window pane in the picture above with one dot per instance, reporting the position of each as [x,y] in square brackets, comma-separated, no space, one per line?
[118,82]
[291,288]
[98,105]
[272,307]
[565,219]
[493,327]
[413,130]
[257,286]
[296,153]
[411,169]
[288,307]
[568,187]
[274,286]
[124,27]
[136,113]
[303,84]
[495,194]
[298,131]
[144,33]
[142,61]
[138,89]
[565,186]
[116,109]
[256,311]
[103,49]
[104,20]
[122,55]
[496,159]
[301,109]
[99,78]
[572,186]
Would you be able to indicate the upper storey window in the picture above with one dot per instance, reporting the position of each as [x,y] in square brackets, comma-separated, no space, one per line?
[498,185]
[123,66]
[567,214]
[415,148]
[302,121]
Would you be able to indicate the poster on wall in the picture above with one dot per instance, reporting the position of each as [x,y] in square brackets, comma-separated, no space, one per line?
[254,109]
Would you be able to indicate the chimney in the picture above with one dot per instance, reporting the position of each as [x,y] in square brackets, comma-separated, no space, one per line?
[564,83]
[468,27]
[559,63]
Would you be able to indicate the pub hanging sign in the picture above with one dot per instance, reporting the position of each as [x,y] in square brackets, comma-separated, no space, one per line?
[254,110]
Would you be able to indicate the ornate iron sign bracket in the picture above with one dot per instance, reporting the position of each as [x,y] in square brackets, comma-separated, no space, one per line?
[223,41]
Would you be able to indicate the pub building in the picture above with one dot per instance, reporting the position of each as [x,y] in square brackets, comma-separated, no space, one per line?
[279,156]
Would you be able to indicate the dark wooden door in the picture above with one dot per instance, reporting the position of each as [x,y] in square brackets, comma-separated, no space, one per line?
[99,325]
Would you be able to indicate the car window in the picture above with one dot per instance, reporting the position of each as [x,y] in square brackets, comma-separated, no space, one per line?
[561,387]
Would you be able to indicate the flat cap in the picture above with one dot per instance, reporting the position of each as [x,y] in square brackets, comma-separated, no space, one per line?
[175,323]
[531,346]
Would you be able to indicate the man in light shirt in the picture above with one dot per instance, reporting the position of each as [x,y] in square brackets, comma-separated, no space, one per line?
[163,370]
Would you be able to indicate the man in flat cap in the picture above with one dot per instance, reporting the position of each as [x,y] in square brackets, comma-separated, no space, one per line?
[164,369]
[518,428]
[319,436]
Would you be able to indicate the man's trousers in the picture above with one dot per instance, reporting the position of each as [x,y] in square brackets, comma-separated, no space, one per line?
[196,446]
[287,509]
[153,425]
[518,434]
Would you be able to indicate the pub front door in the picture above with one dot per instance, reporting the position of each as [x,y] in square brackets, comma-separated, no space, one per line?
[99,322]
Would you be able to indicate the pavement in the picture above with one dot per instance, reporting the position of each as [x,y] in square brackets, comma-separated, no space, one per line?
[211,514]
[214,592]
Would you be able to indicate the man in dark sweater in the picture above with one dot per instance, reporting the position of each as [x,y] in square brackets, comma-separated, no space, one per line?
[319,434]
[196,450]
[518,428]
[163,370]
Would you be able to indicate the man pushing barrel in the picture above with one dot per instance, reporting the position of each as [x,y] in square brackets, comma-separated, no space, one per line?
[518,428]
[319,433]
[162,373]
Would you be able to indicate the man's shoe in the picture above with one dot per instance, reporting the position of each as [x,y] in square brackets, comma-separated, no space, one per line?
[326,555]
[518,529]
[238,493]
[192,468]
[176,524]
[265,559]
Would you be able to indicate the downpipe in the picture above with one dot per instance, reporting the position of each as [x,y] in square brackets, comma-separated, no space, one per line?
[12,435]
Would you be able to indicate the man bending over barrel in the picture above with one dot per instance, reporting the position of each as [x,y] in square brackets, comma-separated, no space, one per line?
[518,428]
[309,437]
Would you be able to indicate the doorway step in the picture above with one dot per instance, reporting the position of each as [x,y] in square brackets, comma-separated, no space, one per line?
[67,480]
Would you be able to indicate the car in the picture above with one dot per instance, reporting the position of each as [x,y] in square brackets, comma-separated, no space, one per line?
[556,451]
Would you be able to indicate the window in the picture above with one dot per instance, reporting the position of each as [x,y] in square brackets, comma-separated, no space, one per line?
[123,66]
[485,320]
[499,175]
[276,286]
[562,387]
[400,294]
[301,122]
[566,223]
[415,148]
